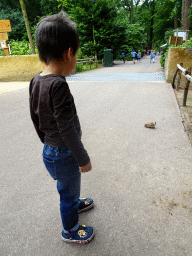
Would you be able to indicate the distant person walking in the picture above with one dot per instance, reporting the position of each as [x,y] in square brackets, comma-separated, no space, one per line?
[152,57]
[133,55]
[139,55]
[123,56]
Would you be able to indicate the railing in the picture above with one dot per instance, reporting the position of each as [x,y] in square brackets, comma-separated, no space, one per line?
[91,61]
[187,74]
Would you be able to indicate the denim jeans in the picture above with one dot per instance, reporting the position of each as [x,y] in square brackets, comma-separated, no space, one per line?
[63,167]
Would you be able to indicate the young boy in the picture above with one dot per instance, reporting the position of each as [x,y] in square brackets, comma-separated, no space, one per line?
[139,55]
[152,56]
[123,56]
[54,116]
[133,55]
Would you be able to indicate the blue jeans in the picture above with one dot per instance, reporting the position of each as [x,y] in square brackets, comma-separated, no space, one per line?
[63,167]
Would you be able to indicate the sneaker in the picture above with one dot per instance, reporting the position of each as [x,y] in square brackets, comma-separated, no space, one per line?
[85,204]
[82,235]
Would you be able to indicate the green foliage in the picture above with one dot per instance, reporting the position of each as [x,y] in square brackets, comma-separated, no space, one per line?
[102,24]
[188,44]
[96,24]
[135,36]
[2,52]
[80,54]
[127,49]
[79,68]
[168,33]
[17,21]
[20,48]
[164,54]
[165,51]
[49,7]
[157,17]
[35,9]
[82,67]
[165,10]
[162,60]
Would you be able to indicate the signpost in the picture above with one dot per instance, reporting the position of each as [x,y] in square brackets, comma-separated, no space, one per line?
[5,26]
[175,40]
[3,36]
[179,37]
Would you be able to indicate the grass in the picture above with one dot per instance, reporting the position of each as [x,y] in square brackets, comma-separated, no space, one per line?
[82,67]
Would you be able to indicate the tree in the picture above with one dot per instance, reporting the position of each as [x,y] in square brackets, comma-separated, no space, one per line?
[159,17]
[27,25]
[17,21]
[186,4]
[97,26]
[131,11]
[167,17]
[104,23]
[11,9]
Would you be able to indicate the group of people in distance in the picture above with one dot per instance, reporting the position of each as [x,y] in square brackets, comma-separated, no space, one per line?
[137,56]
[134,55]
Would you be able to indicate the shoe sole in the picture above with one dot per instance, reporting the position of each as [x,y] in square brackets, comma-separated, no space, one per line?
[79,241]
[87,208]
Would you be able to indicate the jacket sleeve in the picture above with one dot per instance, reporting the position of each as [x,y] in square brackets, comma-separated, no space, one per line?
[64,112]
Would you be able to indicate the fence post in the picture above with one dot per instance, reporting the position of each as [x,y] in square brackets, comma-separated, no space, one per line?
[188,70]
[90,63]
[179,78]
[173,84]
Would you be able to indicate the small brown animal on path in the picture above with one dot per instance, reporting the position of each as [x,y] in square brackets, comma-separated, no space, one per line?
[150,125]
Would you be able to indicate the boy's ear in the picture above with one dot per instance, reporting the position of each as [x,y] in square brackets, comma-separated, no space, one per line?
[68,54]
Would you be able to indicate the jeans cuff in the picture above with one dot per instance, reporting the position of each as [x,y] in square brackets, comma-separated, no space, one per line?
[73,229]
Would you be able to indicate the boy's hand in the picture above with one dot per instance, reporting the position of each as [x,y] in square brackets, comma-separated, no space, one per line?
[86,168]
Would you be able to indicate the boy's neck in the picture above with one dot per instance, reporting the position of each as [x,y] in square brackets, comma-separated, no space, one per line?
[62,67]
[57,68]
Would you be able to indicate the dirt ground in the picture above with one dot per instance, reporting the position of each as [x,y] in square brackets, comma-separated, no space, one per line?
[186,111]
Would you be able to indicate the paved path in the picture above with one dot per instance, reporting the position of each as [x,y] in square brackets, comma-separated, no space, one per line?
[141,180]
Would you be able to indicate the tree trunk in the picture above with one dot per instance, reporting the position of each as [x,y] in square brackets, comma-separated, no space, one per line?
[175,22]
[131,11]
[152,23]
[185,14]
[27,25]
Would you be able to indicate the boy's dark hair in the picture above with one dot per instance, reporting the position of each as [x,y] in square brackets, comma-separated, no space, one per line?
[55,34]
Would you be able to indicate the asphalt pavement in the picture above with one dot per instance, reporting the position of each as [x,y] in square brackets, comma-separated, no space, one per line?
[141,180]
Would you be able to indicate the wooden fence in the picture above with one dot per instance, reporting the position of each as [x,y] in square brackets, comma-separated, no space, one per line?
[91,61]
[187,74]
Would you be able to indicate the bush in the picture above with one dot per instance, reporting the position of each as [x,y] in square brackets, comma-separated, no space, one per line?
[20,48]
[168,33]
[2,52]
[128,49]
[162,60]
[165,51]
[188,44]
[81,67]
[164,54]
[80,54]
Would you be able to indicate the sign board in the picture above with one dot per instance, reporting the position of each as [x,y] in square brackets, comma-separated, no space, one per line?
[5,26]
[172,40]
[6,52]
[4,44]
[3,36]
[182,34]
